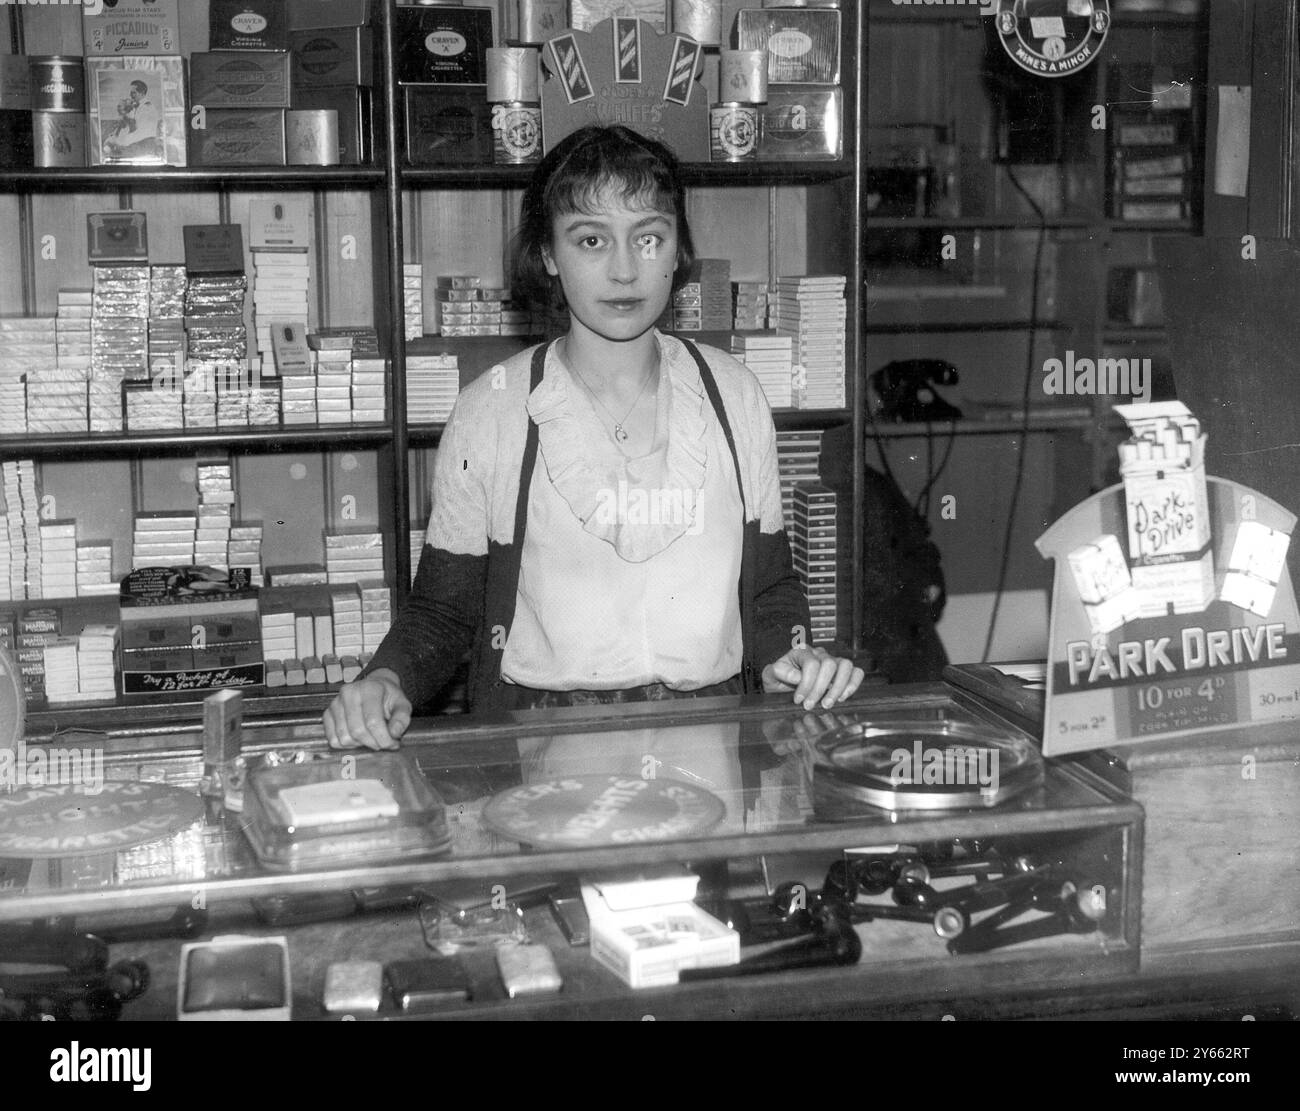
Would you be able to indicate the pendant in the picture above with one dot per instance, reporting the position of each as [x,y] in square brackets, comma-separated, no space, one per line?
[619,434]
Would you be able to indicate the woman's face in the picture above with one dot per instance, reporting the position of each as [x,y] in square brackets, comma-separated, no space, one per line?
[615,265]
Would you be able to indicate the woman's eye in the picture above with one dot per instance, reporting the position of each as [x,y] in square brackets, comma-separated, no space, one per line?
[591,242]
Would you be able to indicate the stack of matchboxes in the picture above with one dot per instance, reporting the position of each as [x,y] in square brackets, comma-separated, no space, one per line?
[798,459]
[749,306]
[354,557]
[82,668]
[119,339]
[413,300]
[167,285]
[56,395]
[22,506]
[703,303]
[314,634]
[37,629]
[813,549]
[432,384]
[163,539]
[468,308]
[811,309]
[279,241]
[58,559]
[95,569]
[771,358]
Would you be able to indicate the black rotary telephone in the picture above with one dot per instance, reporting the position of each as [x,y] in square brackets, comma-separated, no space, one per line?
[906,390]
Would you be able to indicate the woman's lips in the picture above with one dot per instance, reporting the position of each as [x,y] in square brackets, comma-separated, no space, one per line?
[624,304]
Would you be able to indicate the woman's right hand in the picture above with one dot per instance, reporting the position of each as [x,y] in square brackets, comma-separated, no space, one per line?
[371,712]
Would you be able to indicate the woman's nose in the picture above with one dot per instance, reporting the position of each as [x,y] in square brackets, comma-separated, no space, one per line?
[623,263]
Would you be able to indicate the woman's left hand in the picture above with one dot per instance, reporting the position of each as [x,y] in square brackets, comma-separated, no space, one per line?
[814,675]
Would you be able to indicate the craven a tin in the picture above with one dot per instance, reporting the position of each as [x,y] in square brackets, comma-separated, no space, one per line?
[247,25]
[443,45]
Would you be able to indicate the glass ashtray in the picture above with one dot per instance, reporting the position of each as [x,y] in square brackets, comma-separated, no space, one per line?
[943,763]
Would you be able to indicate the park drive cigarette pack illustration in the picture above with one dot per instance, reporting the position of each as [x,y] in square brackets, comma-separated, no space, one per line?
[1163,467]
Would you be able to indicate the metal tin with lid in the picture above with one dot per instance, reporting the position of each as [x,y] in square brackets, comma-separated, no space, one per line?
[58,83]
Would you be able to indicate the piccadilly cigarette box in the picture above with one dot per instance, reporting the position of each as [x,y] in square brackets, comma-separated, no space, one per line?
[131,27]
[239,79]
[1167,510]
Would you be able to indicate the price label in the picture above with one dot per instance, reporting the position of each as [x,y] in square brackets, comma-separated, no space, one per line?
[1185,703]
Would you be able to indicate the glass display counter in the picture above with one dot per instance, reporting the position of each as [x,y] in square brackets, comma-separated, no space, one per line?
[755,797]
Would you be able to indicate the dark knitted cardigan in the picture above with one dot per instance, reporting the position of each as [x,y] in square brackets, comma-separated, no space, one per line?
[467,601]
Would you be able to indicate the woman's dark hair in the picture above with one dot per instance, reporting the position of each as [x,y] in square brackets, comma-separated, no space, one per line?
[572,177]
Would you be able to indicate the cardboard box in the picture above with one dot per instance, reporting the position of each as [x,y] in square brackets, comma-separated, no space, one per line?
[646,942]
[211,622]
[136,111]
[239,137]
[231,79]
[330,57]
[131,27]
[447,124]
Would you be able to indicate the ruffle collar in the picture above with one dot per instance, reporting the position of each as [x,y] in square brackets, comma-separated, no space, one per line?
[639,506]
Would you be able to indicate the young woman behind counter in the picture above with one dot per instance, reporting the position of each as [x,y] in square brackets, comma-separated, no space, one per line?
[606,521]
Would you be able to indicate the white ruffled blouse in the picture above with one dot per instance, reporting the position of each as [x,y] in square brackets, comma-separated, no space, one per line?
[629,565]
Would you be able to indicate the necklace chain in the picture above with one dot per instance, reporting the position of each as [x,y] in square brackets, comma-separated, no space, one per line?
[620,433]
